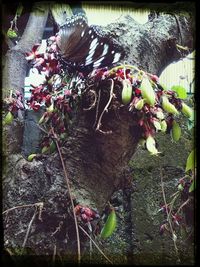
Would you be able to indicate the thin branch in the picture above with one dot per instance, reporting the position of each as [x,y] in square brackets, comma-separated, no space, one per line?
[70,196]
[38,204]
[97,109]
[28,230]
[95,244]
[172,205]
[168,219]
[9,251]
[106,109]
[95,100]
[57,228]
[54,253]
[185,203]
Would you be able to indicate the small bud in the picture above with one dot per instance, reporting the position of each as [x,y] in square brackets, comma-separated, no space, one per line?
[154,78]
[51,108]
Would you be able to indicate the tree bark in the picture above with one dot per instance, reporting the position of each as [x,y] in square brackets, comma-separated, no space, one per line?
[94,161]
[15,66]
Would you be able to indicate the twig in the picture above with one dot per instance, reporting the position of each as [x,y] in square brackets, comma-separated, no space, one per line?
[90,250]
[9,251]
[95,100]
[42,129]
[185,203]
[171,205]
[168,219]
[57,228]
[54,253]
[28,231]
[122,66]
[106,109]
[39,204]
[95,244]
[70,196]
[97,109]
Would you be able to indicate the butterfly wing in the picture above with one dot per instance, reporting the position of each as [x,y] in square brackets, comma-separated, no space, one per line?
[107,50]
[69,36]
[86,46]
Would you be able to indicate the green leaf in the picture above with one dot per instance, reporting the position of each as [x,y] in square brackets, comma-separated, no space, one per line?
[110,225]
[45,149]
[175,131]
[11,33]
[191,161]
[52,147]
[192,186]
[180,90]
[31,157]
[180,187]
[8,118]
[19,10]
[63,136]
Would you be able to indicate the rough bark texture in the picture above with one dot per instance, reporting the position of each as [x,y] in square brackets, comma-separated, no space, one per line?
[94,161]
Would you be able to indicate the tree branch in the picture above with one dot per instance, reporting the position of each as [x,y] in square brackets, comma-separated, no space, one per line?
[15,67]
[152,46]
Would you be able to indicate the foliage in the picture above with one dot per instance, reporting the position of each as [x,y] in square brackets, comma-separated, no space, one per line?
[153,108]
[110,225]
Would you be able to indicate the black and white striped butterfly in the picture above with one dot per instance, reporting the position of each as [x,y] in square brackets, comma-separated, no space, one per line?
[87,47]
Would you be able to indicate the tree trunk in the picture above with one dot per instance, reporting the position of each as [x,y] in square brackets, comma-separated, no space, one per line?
[94,161]
[15,66]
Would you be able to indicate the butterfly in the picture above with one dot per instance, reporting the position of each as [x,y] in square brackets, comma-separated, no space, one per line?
[85,47]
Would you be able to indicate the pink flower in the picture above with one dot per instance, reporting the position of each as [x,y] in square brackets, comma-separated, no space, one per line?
[33,54]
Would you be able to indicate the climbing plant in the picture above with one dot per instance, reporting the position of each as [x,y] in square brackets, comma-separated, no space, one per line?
[64,92]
